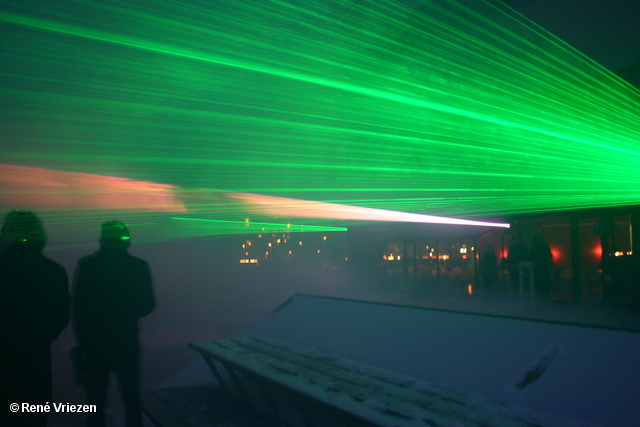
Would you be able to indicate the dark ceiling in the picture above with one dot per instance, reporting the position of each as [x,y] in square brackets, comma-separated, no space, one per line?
[606,31]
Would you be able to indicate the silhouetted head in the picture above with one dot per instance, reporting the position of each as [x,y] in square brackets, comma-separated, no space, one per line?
[114,234]
[22,228]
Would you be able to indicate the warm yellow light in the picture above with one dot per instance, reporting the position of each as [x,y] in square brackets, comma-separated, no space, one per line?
[470,289]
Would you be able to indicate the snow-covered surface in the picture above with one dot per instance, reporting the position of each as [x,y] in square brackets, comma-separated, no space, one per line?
[383,397]
[570,371]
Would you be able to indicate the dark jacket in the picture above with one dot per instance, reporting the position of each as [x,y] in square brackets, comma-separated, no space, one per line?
[34,309]
[111,291]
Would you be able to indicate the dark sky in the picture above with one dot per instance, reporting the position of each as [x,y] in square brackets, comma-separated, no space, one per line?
[605,30]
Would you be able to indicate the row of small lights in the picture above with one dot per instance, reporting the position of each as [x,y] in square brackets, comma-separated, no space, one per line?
[463,251]
[284,239]
[392,257]
[620,253]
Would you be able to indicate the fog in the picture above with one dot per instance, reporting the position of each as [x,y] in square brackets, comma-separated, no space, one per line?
[204,293]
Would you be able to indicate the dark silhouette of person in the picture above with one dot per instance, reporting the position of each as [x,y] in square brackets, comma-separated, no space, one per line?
[517,253]
[541,256]
[489,270]
[111,290]
[34,309]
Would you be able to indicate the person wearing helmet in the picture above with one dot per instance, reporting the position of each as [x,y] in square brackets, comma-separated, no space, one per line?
[34,309]
[111,290]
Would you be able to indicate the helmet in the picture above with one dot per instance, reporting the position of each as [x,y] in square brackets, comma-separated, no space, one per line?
[23,227]
[112,230]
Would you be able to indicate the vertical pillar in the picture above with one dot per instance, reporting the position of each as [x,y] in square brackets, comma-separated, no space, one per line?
[438,264]
[634,220]
[405,255]
[608,284]
[502,284]
[415,262]
[575,257]
[476,274]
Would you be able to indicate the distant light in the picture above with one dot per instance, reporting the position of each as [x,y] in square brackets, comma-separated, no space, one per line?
[249,261]
[597,250]
[470,289]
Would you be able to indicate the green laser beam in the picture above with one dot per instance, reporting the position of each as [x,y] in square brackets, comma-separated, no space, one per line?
[441,107]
